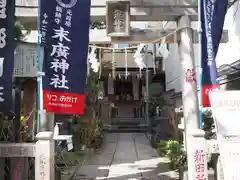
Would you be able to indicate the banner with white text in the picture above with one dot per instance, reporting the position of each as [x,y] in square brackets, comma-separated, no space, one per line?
[213,16]
[65,37]
[7,21]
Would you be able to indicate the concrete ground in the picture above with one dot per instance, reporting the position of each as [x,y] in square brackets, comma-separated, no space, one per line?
[126,156]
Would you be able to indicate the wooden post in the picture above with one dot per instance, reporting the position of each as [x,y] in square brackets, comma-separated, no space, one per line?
[29,103]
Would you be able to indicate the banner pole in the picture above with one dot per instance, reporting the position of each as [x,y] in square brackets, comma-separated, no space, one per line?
[39,70]
[200,63]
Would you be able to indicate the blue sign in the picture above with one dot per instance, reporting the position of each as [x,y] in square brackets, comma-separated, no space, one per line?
[212,15]
[65,37]
[7,21]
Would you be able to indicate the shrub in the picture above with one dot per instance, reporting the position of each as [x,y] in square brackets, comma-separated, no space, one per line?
[173,150]
[89,132]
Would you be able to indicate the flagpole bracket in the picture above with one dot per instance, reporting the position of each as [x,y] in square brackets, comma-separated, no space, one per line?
[40,74]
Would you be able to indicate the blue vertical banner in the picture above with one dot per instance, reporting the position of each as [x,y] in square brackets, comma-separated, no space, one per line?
[212,15]
[65,37]
[7,36]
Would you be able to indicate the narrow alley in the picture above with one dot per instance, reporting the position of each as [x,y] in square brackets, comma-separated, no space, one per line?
[126,156]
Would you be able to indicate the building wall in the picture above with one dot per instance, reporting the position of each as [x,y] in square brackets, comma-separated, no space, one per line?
[227,54]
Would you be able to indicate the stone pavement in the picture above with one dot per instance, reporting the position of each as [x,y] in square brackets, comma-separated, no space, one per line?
[126,156]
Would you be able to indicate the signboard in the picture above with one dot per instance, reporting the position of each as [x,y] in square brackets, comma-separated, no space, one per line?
[118,18]
[198,157]
[226,112]
[25,60]
[65,38]
[7,20]
[212,18]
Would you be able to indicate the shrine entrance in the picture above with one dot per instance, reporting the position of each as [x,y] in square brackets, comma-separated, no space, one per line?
[123,89]
[126,94]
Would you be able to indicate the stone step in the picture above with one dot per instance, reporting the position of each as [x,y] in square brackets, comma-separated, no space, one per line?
[118,121]
[126,130]
[116,128]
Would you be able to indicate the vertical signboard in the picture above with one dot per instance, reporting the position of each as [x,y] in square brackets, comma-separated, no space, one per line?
[7,11]
[65,37]
[212,16]
[225,107]
[25,60]
[118,18]
[198,155]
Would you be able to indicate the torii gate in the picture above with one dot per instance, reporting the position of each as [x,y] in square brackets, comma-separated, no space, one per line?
[181,11]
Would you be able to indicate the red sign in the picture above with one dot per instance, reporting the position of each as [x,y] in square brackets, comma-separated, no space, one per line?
[205,94]
[59,102]
[199,165]
[190,75]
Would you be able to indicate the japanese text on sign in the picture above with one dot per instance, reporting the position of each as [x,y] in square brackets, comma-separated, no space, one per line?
[3,5]
[119,19]
[209,14]
[44,28]
[190,75]
[199,157]
[3,15]
[55,98]
[42,163]
[60,51]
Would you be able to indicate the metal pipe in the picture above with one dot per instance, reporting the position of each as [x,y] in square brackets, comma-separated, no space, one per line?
[39,70]
[147,88]
[200,62]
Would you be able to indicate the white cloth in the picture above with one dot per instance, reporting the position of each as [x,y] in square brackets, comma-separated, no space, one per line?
[110,85]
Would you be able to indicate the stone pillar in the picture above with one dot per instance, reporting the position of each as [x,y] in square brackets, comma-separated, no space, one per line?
[189,88]
[44,157]
[197,156]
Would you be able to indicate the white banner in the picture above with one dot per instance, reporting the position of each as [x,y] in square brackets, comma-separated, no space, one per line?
[226,112]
